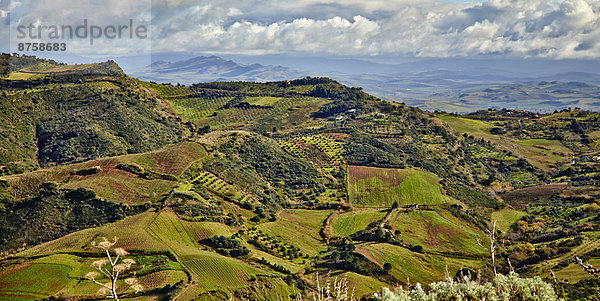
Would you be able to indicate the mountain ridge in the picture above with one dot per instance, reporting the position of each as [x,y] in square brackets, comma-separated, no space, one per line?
[214,68]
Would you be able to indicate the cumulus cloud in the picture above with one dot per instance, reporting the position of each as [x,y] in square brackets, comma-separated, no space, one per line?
[525,28]
[429,28]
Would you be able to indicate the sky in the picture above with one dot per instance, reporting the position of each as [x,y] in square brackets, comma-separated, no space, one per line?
[554,29]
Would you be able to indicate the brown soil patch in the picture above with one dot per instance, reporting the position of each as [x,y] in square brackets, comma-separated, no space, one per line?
[338,136]
[521,197]
[311,152]
[389,176]
[14,269]
[364,252]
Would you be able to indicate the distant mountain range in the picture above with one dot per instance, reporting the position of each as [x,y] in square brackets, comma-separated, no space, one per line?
[214,68]
[431,84]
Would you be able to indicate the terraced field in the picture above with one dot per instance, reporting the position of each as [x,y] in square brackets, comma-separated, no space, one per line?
[215,184]
[222,188]
[211,110]
[322,149]
[215,271]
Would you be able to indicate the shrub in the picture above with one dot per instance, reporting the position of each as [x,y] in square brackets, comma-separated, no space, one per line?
[511,287]
[227,246]
[132,168]
[87,171]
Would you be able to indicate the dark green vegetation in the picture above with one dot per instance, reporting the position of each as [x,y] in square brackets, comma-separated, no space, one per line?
[65,117]
[268,184]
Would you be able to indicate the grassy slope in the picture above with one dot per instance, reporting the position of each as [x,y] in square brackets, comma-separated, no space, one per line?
[381,187]
[349,223]
[132,236]
[148,231]
[72,118]
[437,231]
[300,228]
[506,217]
[542,157]
[114,184]
[415,267]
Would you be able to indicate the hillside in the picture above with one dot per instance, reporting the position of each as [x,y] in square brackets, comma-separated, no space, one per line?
[65,114]
[245,190]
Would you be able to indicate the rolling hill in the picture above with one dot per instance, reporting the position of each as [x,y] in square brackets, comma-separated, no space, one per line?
[247,191]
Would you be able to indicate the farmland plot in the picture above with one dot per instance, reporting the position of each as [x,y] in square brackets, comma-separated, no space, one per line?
[381,187]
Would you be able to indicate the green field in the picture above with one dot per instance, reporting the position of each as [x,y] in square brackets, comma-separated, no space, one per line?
[574,273]
[299,228]
[349,223]
[546,151]
[415,267]
[362,285]
[215,271]
[183,236]
[148,232]
[437,231]
[22,76]
[131,232]
[30,281]
[473,127]
[504,218]
[290,266]
[381,187]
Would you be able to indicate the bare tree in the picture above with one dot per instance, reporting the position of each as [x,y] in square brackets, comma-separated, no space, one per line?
[111,268]
[491,234]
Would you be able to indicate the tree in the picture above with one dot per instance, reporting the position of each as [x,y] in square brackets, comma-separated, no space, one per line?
[491,234]
[112,269]
[387,267]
